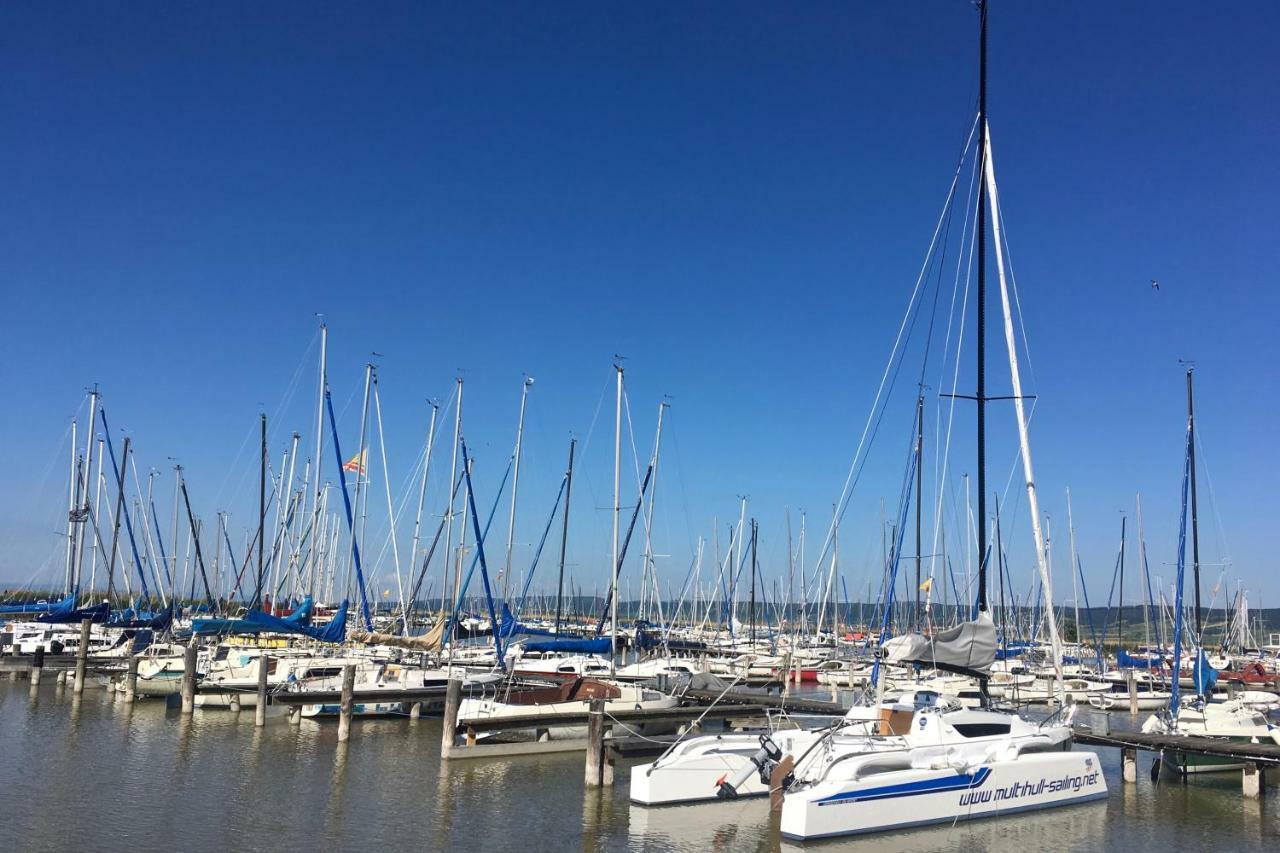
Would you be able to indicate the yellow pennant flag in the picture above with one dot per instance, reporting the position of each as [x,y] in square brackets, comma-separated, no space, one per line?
[927,585]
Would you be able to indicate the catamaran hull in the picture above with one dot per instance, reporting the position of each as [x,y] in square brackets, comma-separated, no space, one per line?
[907,798]
[693,772]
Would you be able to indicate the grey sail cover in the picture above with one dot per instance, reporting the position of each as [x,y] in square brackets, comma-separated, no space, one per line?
[969,645]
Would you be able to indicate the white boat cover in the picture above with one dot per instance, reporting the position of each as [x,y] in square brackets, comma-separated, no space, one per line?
[970,645]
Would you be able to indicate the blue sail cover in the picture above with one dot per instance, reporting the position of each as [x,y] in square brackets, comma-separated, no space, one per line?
[1203,675]
[98,613]
[302,614]
[66,605]
[602,646]
[1124,659]
[210,627]
[142,619]
[334,632]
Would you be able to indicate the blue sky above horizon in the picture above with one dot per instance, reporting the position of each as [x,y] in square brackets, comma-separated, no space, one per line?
[735,197]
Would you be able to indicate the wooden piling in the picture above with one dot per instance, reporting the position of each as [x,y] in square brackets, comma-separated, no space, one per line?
[131,679]
[82,654]
[452,702]
[37,666]
[1253,781]
[260,712]
[599,769]
[189,678]
[1129,764]
[346,703]
[1131,679]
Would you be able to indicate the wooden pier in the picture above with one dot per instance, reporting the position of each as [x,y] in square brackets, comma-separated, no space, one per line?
[1255,758]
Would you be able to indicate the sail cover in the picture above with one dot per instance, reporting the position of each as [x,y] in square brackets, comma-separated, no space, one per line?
[969,646]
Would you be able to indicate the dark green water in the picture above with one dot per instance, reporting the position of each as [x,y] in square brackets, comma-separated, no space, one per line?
[100,775]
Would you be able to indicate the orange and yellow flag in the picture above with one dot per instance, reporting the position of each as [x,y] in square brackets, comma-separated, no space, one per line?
[356,463]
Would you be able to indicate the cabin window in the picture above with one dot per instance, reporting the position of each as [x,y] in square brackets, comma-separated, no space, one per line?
[981,729]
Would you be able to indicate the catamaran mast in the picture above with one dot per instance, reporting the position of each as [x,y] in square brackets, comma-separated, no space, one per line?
[981,393]
[1195,526]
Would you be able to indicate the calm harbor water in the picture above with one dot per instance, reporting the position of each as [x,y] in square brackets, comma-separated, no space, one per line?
[99,775]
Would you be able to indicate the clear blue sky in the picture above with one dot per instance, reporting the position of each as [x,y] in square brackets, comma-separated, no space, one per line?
[735,197]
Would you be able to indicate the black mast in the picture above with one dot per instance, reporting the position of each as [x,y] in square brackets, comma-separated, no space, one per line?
[982,312]
[1195,526]
[564,531]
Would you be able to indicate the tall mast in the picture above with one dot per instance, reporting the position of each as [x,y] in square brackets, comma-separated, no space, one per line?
[362,467]
[448,514]
[315,492]
[73,494]
[262,506]
[919,497]
[1024,442]
[982,315]
[83,513]
[422,495]
[1195,526]
[391,511]
[564,532]
[515,486]
[617,511]
[754,568]
[97,502]
[1071,530]
[1120,637]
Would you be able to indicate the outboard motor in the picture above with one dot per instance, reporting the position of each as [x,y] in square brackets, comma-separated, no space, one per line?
[763,762]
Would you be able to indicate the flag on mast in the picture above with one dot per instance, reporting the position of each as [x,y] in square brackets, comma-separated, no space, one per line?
[356,463]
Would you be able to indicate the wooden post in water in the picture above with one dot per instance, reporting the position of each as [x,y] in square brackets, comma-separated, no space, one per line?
[37,666]
[131,680]
[1129,764]
[189,678]
[452,702]
[61,680]
[82,654]
[346,703]
[260,712]
[1254,780]
[1132,680]
[599,771]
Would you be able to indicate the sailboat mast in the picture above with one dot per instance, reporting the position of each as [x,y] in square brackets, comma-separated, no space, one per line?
[617,511]
[262,507]
[448,515]
[1120,636]
[919,497]
[515,487]
[981,393]
[315,492]
[1195,526]
[564,533]
[73,489]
